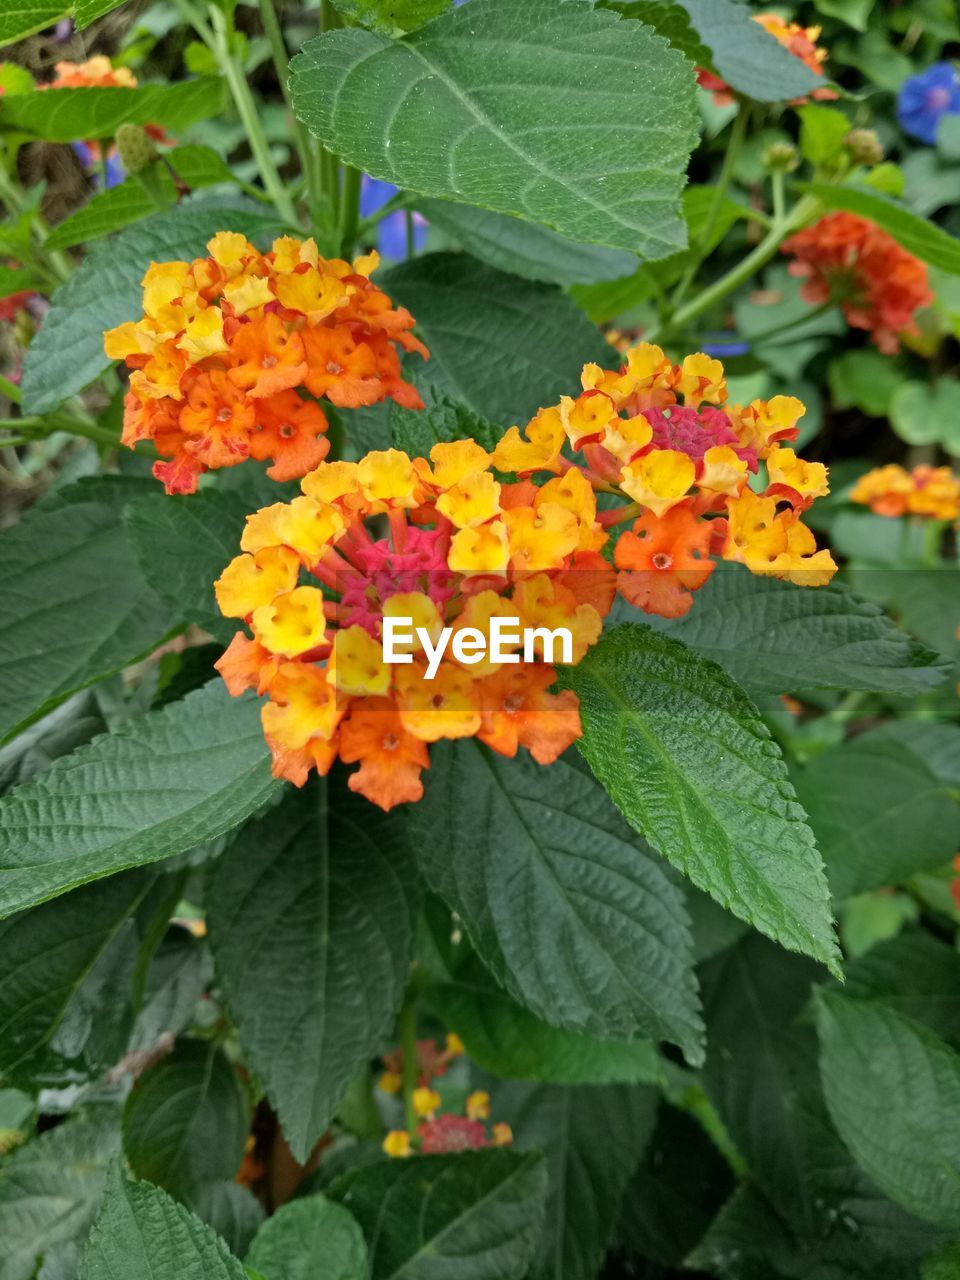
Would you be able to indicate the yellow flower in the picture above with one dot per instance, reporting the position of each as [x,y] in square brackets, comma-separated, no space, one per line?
[659,479]
[397,1143]
[425,1101]
[357,663]
[250,581]
[483,550]
[478,1105]
[293,623]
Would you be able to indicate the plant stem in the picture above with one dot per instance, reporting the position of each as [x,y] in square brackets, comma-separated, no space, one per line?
[247,110]
[411,1064]
[10,390]
[777,196]
[349,209]
[38,427]
[11,194]
[309,161]
[768,246]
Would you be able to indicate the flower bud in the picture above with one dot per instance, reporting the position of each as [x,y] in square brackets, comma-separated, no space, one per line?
[781,157]
[135,148]
[863,146]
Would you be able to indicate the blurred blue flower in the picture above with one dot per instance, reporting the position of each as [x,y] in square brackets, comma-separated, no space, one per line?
[391,230]
[113,170]
[725,345]
[926,98]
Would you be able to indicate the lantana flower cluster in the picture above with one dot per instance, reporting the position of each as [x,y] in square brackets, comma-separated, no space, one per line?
[876,282]
[800,41]
[440,1133]
[235,351]
[453,540]
[930,492]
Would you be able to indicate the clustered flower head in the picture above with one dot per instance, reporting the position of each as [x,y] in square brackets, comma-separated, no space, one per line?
[800,41]
[95,73]
[440,541]
[878,284]
[236,349]
[933,492]
[433,1062]
[453,541]
[926,98]
[440,1134]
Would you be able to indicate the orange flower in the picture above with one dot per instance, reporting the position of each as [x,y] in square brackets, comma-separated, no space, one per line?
[800,41]
[225,342]
[878,284]
[933,492]
[665,559]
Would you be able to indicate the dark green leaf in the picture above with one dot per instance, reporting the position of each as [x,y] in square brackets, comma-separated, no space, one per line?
[504,1038]
[50,1191]
[687,758]
[893,1090]
[177,978]
[914,974]
[879,813]
[390,16]
[46,955]
[69,115]
[775,637]
[142,1234]
[328,880]
[441,420]
[924,239]
[476,1215]
[105,291]
[566,907]
[20,18]
[185,1123]
[524,248]
[569,117]
[475,319]
[310,1239]
[155,787]
[232,1210]
[593,1139]
[76,606]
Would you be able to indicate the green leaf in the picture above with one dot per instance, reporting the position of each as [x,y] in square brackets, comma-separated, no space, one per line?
[924,239]
[533,336]
[326,878]
[183,545]
[879,812]
[476,1215]
[128,202]
[16,280]
[569,117]
[176,980]
[524,248]
[20,18]
[822,131]
[504,1038]
[686,757]
[864,379]
[745,55]
[915,974]
[893,1091]
[232,1210]
[69,115]
[390,16]
[153,788]
[77,607]
[593,1139]
[441,420]
[775,637]
[568,910]
[143,1234]
[853,12]
[310,1239]
[925,413]
[105,291]
[50,1190]
[45,957]
[185,1123]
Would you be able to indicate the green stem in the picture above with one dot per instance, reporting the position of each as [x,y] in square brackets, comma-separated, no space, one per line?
[737,134]
[411,1064]
[10,390]
[309,162]
[247,110]
[777,195]
[736,276]
[349,209]
[12,442]
[38,427]
[411,233]
[11,194]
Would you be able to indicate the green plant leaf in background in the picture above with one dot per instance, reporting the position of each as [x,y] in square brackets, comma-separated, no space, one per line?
[822,131]
[893,1091]
[602,943]
[70,115]
[391,16]
[602,162]
[143,1234]
[20,18]
[525,248]
[328,880]
[153,788]
[914,974]
[310,1239]
[535,338]
[592,1138]
[50,1191]
[441,420]
[76,606]
[864,379]
[185,1123]
[476,1215]
[928,413]
[924,239]
[105,291]
[686,757]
